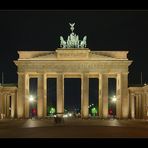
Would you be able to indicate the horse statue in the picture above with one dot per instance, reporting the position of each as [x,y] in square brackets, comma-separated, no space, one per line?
[63,42]
[72,41]
[83,42]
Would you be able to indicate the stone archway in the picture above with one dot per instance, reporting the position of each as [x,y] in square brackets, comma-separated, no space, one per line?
[81,63]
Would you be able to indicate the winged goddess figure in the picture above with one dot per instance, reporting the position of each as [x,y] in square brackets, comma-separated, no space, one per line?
[72,26]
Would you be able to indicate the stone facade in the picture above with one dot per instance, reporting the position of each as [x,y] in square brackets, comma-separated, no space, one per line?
[138,108]
[8,98]
[73,63]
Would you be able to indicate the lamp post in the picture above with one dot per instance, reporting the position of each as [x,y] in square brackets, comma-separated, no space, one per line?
[31,100]
[114,100]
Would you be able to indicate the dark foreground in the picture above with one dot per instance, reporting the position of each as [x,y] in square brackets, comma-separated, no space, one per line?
[73,128]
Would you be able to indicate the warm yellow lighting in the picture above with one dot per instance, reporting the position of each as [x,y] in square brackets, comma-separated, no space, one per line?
[114,99]
[31,98]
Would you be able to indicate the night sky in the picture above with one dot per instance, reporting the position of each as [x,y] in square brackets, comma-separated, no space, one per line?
[105,30]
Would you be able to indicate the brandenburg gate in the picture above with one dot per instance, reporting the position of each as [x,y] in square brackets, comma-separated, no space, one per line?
[73,60]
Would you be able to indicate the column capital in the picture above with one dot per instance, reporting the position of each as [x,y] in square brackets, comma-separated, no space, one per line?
[86,74]
[45,74]
[60,74]
[132,94]
[12,94]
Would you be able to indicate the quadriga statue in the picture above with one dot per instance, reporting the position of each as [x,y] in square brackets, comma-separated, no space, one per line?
[62,42]
[83,42]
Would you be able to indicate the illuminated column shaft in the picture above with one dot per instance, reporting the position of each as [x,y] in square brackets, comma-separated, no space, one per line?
[20,99]
[26,96]
[60,93]
[1,97]
[45,95]
[140,108]
[118,95]
[124,95]
[146,99]
[3,103]
[12,105]
[22,96]
[146,104]
[143,105]
[100,96]
[122,105]
[7,105]
[40,96]
[104,95]
[84,95]
[132,112]
[137,108]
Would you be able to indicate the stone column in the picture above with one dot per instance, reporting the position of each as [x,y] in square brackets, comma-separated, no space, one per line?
[130,110]
[132,106]
[146,98]
[40,97]
[26,95]
[143,107]
[45,95]
[140,108]
[100,96]
[137,106]
[7,105]
[103,96]
[22,98]
[2,105]
[12,105]
[118,95]
[84,95]
[60,93]
[146,104]
[123,100]
[16,96]
[1,102]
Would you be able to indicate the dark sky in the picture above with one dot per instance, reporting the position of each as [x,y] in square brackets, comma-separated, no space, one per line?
[106,30]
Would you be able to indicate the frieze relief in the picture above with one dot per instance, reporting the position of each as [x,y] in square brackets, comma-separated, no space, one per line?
[72,67]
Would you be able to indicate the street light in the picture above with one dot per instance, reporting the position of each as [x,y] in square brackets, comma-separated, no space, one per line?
[114,99]
[32,100]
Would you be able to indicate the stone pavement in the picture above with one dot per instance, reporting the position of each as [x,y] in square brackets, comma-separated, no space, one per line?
[73,128]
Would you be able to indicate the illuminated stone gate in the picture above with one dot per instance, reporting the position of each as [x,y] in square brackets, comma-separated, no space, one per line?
[73,60]
[73,63]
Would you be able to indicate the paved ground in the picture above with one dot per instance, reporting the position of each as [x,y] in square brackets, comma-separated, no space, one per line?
[73,128]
